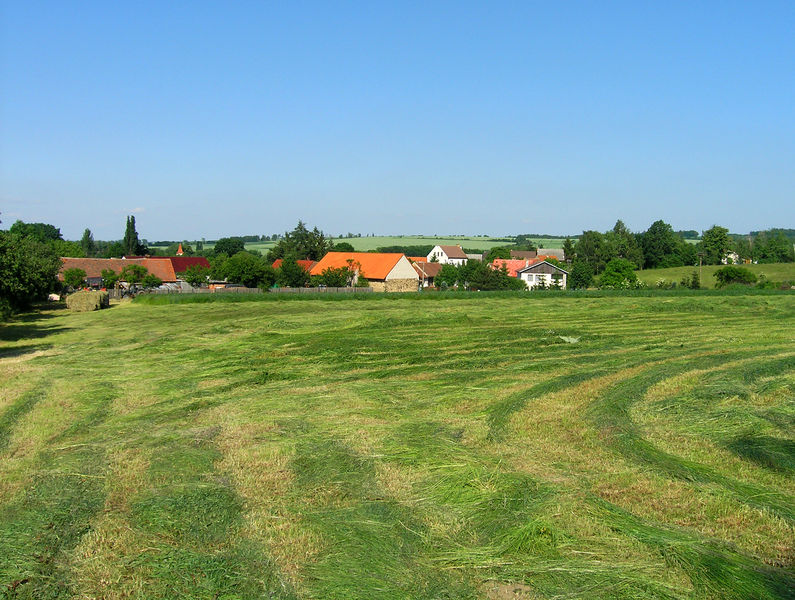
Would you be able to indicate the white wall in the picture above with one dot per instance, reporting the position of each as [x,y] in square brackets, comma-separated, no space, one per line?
[402,270]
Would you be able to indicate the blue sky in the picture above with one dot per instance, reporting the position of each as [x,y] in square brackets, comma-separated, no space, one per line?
[207,119]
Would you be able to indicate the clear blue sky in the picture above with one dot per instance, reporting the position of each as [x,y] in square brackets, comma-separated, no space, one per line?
[207,119]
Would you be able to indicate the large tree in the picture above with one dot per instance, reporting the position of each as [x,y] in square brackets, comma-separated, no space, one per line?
[28,270]
[590,249]
[132,245]
[302,243]
[660,245]
[715,244]
[229,246]
[620,242]
[41,232]
[88,244]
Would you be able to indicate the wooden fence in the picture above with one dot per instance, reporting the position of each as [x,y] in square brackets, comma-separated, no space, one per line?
[321,290]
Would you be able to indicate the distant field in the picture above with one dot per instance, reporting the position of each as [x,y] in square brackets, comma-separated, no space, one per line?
[365,244]
[773,272]
[427,446]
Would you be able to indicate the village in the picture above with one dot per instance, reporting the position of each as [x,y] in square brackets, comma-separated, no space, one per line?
[378,271]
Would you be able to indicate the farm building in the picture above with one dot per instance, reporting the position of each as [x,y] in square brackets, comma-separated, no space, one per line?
[385,272]
[163,267]
[542,273]
[427,272]
[448,255]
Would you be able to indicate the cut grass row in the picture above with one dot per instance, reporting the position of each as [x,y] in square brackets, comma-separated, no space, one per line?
[401,448]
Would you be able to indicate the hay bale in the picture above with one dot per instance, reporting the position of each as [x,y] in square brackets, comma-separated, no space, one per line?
[87,300]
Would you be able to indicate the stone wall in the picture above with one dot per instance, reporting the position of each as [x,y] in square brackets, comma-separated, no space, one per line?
[395,285]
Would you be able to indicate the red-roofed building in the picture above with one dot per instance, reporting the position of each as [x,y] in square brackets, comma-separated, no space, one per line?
[427,272]
[534,272]
[163,267]
[385,271]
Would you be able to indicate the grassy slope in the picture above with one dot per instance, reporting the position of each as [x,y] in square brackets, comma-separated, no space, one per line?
[774,272]
[401,447]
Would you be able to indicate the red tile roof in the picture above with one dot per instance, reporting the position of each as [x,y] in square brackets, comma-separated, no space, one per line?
[306,264]
[418,258]
[371,265]
[514,264]
[180,264]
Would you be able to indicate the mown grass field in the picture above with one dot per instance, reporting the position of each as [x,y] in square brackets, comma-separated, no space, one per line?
[773,272]
[463,446]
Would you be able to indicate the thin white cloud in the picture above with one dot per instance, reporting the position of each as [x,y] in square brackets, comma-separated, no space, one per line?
[137,210]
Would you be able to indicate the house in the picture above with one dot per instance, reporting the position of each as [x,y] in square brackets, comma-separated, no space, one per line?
[448,255]
[542,273]
[477,256]
[384,271]
[731,258]
[427,272]
[306,264]
[524,254]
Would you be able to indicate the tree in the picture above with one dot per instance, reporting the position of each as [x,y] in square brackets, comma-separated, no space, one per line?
[345,247]
[660,245]
[74,278]
[151,281]
[568,250]
[499,252]
[109,278]
[291,274]
[248,270]
[132,245]
[88,244]
[28,270]
[195,275]
[229,246]
[620,242]
[715,244]
[41,232]
[581,275]
[133,274]
[304,244]
[590,249]
[447,277]
[336,277]
[734,275]
[619,274]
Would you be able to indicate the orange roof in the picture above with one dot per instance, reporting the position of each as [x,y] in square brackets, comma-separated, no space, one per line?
[306,264]
[512,265]
[418,258]
[371,265]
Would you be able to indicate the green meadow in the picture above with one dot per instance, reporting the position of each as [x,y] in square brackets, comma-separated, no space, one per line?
[772,272]
[497,446]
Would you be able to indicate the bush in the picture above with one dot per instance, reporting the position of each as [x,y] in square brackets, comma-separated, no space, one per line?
[87,301]
[619,274]
[729,275]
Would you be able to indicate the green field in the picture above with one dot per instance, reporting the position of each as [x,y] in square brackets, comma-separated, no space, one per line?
[365,244]
[497,446]
[773,272]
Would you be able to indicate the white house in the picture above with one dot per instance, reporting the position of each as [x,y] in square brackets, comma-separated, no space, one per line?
[542,271]
[448,255]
